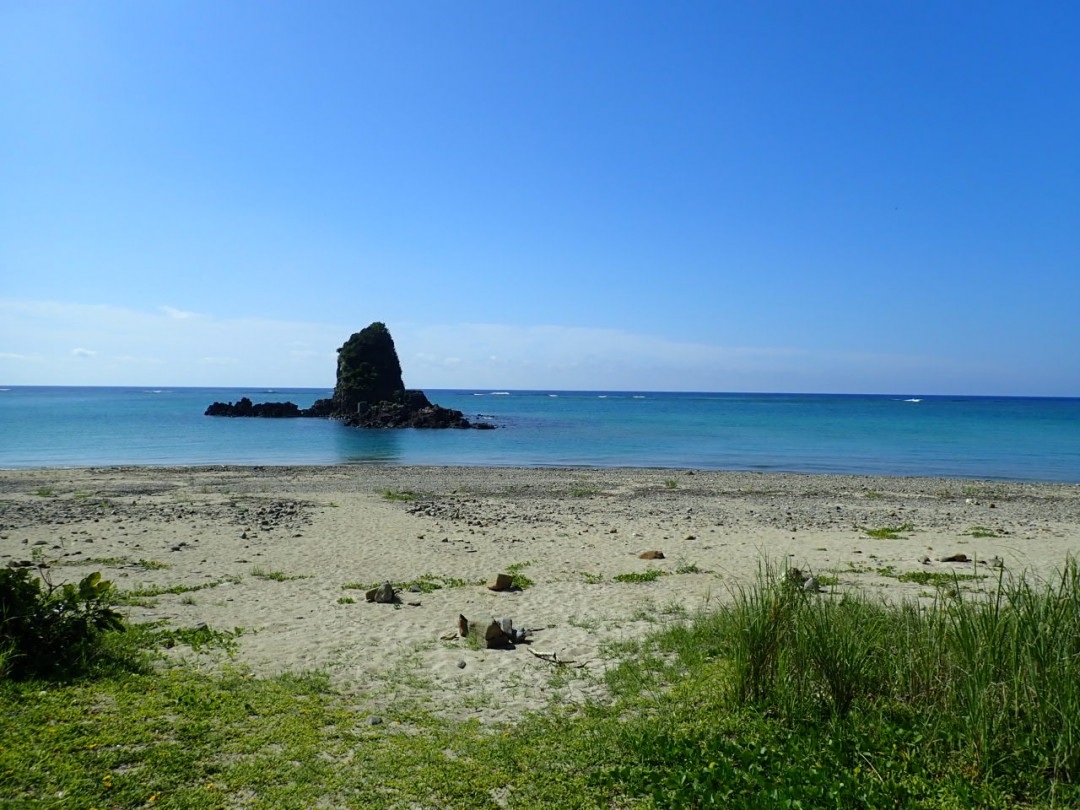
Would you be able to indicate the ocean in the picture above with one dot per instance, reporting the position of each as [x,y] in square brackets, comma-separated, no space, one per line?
[1003,438]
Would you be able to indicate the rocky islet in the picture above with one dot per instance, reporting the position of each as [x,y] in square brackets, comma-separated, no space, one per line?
[369,392]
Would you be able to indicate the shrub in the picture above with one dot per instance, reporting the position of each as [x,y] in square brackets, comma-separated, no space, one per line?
[48,629]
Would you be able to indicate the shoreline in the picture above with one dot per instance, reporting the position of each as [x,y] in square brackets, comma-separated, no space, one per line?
[538,468]
[274,549]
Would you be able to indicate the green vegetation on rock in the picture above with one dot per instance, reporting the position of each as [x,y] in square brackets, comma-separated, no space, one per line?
[368,369]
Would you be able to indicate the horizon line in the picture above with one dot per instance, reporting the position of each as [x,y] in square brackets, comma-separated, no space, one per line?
[488,390]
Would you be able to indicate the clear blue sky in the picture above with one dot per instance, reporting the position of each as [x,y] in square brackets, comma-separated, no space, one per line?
[726,196]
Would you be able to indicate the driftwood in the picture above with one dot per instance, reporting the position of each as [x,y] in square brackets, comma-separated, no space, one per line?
[553,658]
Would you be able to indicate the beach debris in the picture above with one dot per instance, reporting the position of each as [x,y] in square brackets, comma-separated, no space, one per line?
[383,595]
[553,658]
[494,633]
[957,558]
[797,578]
[461,664]
[651,554]
[997,562]
[501,582]
[924,560]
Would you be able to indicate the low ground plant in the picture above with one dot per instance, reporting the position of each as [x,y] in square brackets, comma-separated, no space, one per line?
[583,491]
[939,579]
[425,583]
[889,532]
[275,576]
[777,698]
[518,579]
[651,575]
[139,595]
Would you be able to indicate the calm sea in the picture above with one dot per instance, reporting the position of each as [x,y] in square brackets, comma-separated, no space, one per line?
[1023,439]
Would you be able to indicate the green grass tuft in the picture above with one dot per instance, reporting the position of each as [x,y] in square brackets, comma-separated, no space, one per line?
[690,568]
[889,532]
[519,580]
[651,575]
[422,584]
[939,579]
[276,576]
[138,594]
[583,491]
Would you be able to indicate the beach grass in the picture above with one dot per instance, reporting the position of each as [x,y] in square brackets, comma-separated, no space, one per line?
[651,575]
[777,698]
[426,583]
[889,532]
[276,576]
[398,495]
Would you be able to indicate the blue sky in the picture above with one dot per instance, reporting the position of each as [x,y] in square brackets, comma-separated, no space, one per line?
[724,196]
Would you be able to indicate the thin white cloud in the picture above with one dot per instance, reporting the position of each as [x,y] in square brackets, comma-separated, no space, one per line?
[179,314]
[21,357]
[145,347]
[578,357]
[569,357]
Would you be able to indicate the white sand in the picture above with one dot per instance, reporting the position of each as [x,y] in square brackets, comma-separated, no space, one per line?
[573,530]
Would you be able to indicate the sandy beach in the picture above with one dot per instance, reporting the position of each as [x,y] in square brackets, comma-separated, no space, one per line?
[286,553]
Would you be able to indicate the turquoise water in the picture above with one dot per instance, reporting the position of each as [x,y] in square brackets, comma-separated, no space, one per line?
[972,437]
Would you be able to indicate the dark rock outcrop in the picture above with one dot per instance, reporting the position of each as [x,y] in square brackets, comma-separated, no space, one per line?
[369,392]
[245,407]
[321,407]
[408,409]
